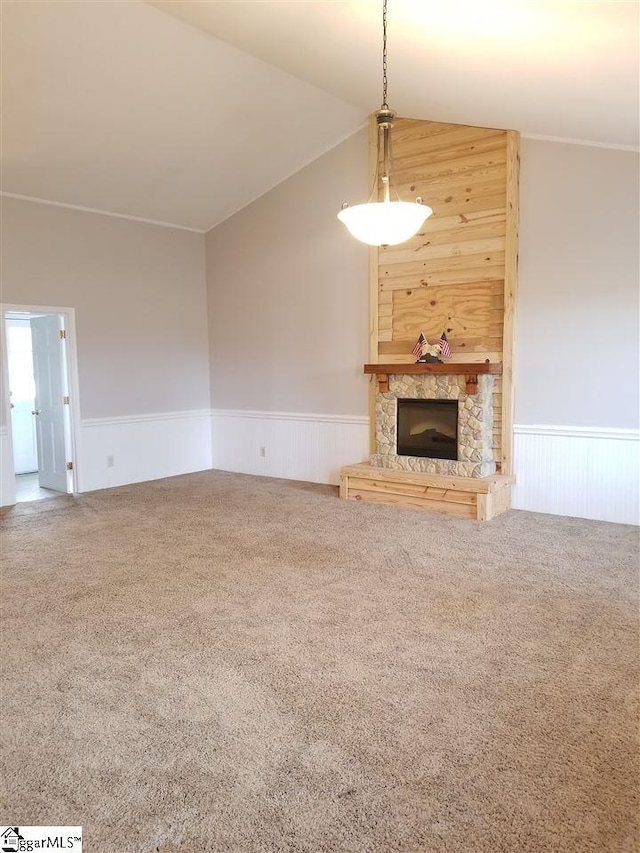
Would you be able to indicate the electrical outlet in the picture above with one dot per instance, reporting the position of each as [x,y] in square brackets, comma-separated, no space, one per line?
[263,451]
[109,461]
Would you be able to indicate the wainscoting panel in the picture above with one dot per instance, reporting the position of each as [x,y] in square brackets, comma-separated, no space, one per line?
[295,446]
[578,471]
[575,471]
[142,447]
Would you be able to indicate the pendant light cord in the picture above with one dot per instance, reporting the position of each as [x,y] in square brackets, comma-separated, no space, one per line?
[386,221]
[385,105]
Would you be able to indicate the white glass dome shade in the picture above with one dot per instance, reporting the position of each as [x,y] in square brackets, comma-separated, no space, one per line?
[390,221]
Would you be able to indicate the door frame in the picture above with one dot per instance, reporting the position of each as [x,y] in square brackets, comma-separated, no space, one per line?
[9,489]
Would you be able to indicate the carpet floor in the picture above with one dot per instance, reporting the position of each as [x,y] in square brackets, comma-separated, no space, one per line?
[217,662]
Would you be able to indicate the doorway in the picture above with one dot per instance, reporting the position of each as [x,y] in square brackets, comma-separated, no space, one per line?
[41,403]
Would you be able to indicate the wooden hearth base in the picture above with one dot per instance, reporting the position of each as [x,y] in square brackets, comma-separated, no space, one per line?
[481,498]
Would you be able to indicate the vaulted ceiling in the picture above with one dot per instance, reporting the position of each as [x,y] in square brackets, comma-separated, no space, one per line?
[184,112]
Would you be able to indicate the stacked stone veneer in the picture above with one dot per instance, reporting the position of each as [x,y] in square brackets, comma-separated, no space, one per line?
[475,424]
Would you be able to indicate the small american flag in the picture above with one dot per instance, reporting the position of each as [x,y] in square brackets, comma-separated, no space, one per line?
[444,345]
[417,350]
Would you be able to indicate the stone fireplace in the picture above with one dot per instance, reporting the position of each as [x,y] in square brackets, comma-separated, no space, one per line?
[465,480]
[458,274]
[475,455]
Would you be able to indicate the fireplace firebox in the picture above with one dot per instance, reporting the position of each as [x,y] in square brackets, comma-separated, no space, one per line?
[428,428]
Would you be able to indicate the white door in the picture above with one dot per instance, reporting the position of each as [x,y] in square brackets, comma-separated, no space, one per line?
[22,395]
[49,410]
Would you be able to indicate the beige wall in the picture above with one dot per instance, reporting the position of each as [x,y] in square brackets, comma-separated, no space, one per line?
[139,295]
[576,359]
[288,295]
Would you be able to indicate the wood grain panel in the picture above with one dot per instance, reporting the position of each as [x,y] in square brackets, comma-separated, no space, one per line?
[458,224]
[362,484]
[457,141]
[414,276]
[461,205]
[511,277]
[431,505]
[404,354]
[410,181]
[454,274]
[374,296]
[455,167]
[480,498]
[448,155]
[427,250]
[489,265]
[450,239]
[498,419]
[385,316]
[471,314]
[446,198]
[438,481]
[412,130]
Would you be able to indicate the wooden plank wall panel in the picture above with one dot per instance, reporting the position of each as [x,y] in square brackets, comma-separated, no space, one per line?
[451,276]
[375,303]
[497,415]
[511,276]
[471,313]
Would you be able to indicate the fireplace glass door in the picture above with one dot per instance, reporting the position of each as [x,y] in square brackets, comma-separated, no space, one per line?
[428,428]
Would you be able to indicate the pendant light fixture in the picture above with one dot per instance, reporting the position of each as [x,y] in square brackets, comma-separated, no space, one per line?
[390,221]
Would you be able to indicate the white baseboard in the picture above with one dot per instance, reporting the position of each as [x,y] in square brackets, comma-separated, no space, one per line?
[143,447]
[296,446]
[587,472]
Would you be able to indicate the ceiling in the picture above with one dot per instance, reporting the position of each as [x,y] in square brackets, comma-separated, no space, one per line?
[118,107]
[184,112]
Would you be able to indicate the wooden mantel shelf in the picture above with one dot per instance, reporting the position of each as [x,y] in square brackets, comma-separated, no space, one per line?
[468,369]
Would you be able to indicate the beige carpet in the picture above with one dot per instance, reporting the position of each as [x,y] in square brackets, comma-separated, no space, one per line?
[225,663]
